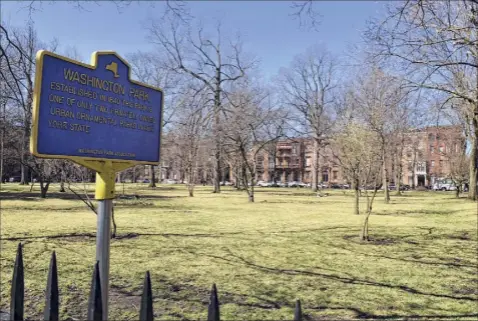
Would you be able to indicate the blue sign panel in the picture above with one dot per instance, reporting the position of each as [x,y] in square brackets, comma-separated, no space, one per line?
[94,112]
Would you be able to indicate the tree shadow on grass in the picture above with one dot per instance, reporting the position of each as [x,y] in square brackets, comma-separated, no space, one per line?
[417,212]
[35,196]
[171,290]
[346,280]
[433,260]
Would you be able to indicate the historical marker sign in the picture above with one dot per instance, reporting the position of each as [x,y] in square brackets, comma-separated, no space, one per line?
[94,112]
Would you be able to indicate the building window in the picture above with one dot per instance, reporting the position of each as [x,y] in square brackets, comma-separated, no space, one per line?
[441,149]
[294,149]
[431,137]
[334,175]
[325,176]
[432,149]
[433,163]
[441,163]
[421,167]
[308,161]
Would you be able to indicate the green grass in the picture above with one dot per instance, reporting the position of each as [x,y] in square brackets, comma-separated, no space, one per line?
[421,260]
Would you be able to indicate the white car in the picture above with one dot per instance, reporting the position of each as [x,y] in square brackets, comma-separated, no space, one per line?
[263,184]
[444,185]
[171,181]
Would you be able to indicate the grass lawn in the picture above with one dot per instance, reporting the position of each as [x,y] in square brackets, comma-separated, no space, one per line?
[421,261]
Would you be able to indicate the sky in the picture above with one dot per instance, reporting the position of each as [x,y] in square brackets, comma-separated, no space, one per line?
[267,28]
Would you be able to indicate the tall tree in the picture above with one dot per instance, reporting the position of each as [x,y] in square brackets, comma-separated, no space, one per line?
[435,44]
[150,68]
[380,99]
[254,123]
[206,60]
[307,88]
[18,47]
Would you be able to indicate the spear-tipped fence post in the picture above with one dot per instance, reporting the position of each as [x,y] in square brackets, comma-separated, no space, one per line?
[213,308]
[146,312]
[18,288]
[298,311]
[95,304]
[52,301]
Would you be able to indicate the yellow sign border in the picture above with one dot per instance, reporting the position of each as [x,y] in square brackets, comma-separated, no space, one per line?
[85,161]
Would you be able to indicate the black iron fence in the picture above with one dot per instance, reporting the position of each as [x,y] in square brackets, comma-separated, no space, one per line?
[95,307]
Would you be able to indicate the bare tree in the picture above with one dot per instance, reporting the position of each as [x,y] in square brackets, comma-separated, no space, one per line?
[206,60]
[435,44]
[380,98]
[18,48]
[307,88]
[306,13]
[190,129]
[150,68]
[254,123]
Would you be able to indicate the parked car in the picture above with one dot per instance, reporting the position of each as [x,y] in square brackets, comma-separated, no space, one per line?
[280,184]
[145,180]
[346,186]
[444,185]
[393,187]
[15,179]
[226,183]
[171,181]
[295,184]
[263,184]
[336,186]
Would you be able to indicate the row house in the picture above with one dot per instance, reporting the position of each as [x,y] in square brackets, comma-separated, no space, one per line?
[425,158]
[292,160]
[427,153]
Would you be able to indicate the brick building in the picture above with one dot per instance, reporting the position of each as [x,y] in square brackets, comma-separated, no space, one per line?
[427,152]
[291,160]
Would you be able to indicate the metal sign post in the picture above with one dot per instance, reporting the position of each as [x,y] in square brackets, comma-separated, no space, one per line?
[96,116]
[105,187]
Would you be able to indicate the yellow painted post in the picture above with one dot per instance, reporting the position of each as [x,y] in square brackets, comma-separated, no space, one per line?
[105,182]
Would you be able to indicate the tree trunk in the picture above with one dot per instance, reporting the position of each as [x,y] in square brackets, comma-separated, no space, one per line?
[356,195]
[315,166]
[398,181]
[237,183]
[364,232]
[44,189]
[217,170]
[62,180]
[472,191]
[62,186]
[457,192]
[23,174]
[113,233]
[385,177]
[152,176]
[251,191]
[217,123]
[191,190]
[413,168]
